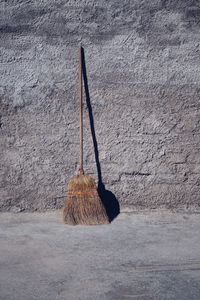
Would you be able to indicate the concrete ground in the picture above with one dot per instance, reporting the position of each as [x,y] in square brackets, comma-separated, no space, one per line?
[153,255]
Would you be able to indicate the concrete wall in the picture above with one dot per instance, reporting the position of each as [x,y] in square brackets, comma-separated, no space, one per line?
[143,69]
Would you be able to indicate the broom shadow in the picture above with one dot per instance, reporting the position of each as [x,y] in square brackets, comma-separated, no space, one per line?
[109,200]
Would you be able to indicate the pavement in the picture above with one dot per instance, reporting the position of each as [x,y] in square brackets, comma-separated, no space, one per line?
[147,255]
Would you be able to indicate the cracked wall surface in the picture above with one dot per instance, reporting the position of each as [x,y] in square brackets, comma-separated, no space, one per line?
[143,69]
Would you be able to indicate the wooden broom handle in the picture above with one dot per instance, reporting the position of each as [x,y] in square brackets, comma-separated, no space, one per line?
[81,171]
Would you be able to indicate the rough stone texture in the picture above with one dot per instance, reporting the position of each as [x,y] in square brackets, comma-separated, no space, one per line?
[143,68]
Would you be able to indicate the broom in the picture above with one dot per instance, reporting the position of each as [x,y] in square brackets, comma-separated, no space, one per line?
[83,204]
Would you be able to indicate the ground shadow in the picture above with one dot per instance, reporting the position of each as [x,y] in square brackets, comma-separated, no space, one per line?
[108,198]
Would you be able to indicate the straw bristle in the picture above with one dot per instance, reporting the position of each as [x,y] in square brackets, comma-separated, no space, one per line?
[83,205]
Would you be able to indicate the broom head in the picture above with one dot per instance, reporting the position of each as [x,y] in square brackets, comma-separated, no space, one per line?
[83,204]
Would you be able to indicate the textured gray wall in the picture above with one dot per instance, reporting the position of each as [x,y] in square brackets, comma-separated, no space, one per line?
[143,68]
